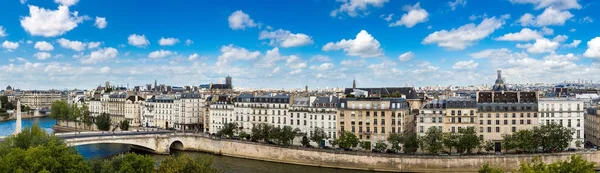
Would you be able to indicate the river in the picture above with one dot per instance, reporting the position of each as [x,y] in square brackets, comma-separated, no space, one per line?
[227,164]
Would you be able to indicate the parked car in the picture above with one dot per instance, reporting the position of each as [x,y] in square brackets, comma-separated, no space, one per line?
[571,149]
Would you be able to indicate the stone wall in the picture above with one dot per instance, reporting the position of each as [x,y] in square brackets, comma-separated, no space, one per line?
[367,161]
[74,126]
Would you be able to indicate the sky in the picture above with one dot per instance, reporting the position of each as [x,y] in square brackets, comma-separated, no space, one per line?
[67,44]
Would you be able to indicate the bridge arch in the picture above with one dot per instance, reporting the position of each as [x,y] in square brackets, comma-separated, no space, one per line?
[177,145]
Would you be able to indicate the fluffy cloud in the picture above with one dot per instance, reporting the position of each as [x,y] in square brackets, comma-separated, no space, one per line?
[560,38]
[66,2]
[354,7]
[105,69]
[100,55]
[406,56]
[573,44]
[593,50]
[322,67]
[93,45]
[231,53]
[353,63]
[295,62]
[456,3]
[465,65]
[43,46]
[168,41]
[270,58]
[364,45]
[189,42]
[547,31]
[49,23]
[464,36]
[285,38]
[159,54]
[74,45]
[525,34]
[239,20]
[557,57]
[320,58]
[42,55]
[540,46]
[138,40]
[549,17]
[100,22]
[558,4]
[10,45]
[2,32]
[415,14]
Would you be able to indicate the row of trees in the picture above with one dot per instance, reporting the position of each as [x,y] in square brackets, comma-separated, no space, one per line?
[549,138]
[33,150]
[435,141]
[575,164]
[261,132]
[9,106]
[61,111]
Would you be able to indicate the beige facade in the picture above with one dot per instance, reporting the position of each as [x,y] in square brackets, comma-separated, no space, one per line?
[460,113]
[592,126]
[431,115]
[372,119]
[220,114]
[39,99]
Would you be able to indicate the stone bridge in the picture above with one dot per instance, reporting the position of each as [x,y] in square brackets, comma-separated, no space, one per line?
[157,141]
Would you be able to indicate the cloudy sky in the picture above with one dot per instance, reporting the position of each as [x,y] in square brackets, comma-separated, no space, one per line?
[321,43]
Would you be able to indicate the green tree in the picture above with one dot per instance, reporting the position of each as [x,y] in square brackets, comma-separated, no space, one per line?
[261,132]
[334,142]
[576,164]
[287,135]
[185,164]
[552,137]
[380,146]
[365,145]
[275,135]
[411,143]
[524,140]
[75,113]
[433,139]
[228,130]
[395,139]
[59,110]
[578,143]
[305,142]
[487,169]
[124,125]
[318,136]
[468,140]
[103,122]
[347,140]
[87,119]
[244,135]
[489,146]
[4,101]
[450,140]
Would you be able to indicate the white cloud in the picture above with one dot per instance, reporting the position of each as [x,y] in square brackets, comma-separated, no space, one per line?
[231,53]
[387,17]
[193,57]
[558,4]
[525,34]
[43,46]
[320,58]
[322,67]
[100,22]
[406,56]
[464,36]
[560,38]
[23,1]
[42,55]
[572,30]
[66,2]
[540,46]
[297,71]
[74,45]
[189,42]
[550,16]
[239,20]
[415,14]
[2,32]
[138,40]
[573,44]
[547,31]
[586,19]
[353,63]
[49,23]
[465,65]
[276,70]
[93,45]
[159,54]
[285,38]
[354,7]
[557,57]
[270,58]
[593,50]
[456,3]
[10,45]
[168,41]
[105,69]
[364,45]
[100,55]
[295,62]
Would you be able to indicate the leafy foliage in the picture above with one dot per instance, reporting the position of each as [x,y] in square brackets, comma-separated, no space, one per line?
[60,110]
[347,140]
[450,140]
[395,140]
[124,125]
[103,122]
[552,137]
[575,164]
[432,142]
[185,164]
[305,142]
[380,146]
[411,143]
[468,140]
[487,169]
[318,136]
[365,145]
[228,130]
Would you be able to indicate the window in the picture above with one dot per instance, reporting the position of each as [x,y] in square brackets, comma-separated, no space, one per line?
[374,129]
[521,121]
[382,129]
[528,121]
[481,129]
[505,121]
[497,122]
[498,129]
[382,121]
[514,129]
[420,129]
[489,122]
[420,120]
[453,130]
[481,122]
[489,129]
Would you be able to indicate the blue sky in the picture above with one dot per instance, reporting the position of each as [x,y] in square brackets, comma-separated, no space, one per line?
[288,44]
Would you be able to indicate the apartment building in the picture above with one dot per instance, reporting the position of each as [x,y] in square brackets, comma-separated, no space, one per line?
[188,108]
[221,111]
[299,115]
[460,113]
[505,112]
[36,99]
[567,112]
[271,109]
[161,109]
[592,126]
[323,111]
[133,110]
[431,115]
[372,119]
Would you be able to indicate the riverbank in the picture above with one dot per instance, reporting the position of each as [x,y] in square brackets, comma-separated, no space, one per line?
[361,160]
[72,126]
[23,116]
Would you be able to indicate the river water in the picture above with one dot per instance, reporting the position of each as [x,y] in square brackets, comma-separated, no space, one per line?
[227,164]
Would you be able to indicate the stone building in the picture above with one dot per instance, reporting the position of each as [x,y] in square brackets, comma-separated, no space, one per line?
[37,99]
[221,112]
[461,112]
[269,109]
[592,126]
[567,112]
[431,115]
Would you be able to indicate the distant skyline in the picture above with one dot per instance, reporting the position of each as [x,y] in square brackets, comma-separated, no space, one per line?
[57,44]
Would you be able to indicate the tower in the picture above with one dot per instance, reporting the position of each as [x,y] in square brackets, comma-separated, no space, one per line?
[18,122]
[354,84]
[228,80]
[155,85]
[499,84]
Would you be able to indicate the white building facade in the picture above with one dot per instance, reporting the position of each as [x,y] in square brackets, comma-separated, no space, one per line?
[567,112]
